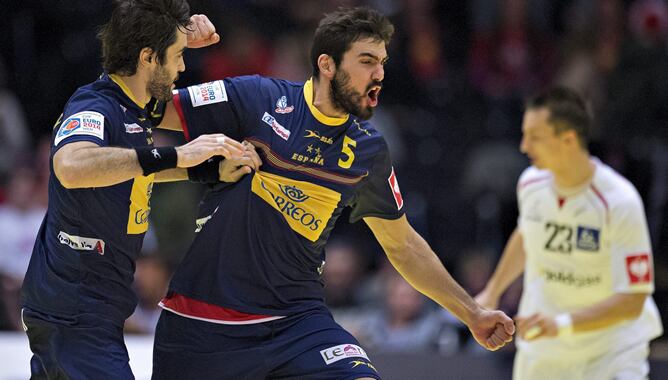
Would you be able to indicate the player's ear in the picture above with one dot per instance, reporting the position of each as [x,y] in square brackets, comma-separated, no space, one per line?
[327,66]
[146,57]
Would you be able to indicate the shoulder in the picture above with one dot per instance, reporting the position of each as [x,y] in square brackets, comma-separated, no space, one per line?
[614,190]
[93,98]
[533,177]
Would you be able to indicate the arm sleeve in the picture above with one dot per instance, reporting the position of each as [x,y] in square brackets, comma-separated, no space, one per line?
[221,106]
[86,118]
[379,195]
[630,249]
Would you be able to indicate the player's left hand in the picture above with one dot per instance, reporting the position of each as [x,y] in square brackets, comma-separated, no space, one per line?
[492,329]
[201,32]
[231,170]
[536,326]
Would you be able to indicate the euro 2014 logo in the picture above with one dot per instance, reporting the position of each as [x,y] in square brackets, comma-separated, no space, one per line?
[69,126]
[293,193]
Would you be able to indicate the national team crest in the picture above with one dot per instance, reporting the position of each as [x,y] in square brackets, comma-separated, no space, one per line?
[588,239]
[282,105]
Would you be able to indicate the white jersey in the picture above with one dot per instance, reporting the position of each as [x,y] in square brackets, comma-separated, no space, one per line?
[581,250]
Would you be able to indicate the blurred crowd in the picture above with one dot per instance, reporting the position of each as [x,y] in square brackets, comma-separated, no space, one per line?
[451,110]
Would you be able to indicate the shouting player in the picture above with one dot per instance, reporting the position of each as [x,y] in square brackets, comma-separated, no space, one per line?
[247,300]
[582,243]
[77,290]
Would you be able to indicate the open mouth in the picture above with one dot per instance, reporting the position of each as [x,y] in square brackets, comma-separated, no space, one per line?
[372,95]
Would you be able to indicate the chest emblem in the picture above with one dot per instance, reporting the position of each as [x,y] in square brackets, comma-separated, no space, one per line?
[588,239]
[282,105]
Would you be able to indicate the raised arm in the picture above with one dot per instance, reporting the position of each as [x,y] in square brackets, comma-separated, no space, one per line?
[410,254]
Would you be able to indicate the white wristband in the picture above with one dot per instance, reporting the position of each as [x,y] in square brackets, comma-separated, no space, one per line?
[564,324]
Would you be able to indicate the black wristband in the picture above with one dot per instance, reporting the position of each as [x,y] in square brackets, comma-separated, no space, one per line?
[153,159]
[156,111]
[206,172]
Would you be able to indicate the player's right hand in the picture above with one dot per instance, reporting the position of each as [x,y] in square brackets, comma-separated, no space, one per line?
[207,146]
[487,300]
[492,329]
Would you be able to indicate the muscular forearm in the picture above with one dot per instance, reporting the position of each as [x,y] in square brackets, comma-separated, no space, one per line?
[613,310]
[93,166]
[510,266]
[171,175]
[420,266]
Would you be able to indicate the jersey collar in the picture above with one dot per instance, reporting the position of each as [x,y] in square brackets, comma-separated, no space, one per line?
[116,79]
[321,117]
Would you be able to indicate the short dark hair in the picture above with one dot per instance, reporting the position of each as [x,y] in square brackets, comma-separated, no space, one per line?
[568,111]
[338,30]
[138,24]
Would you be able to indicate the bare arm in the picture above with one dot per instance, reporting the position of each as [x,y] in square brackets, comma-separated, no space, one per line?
[171,119]
[85,164]
[171,175]
[410,254]
[509,268]
[617,308]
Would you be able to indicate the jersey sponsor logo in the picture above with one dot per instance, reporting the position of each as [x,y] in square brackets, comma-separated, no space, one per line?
[87,123]
[357,363]
[306,207]
[639,268]
[394,185]
[81,243]
[282,105]
[588,239]
[342,351]
[133,128]
[572,279]
[207,93]
[140,208]
[280,130]
[199,223]
[316,135]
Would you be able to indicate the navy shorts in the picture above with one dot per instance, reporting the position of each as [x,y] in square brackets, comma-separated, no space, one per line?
[85,347]
[304,346]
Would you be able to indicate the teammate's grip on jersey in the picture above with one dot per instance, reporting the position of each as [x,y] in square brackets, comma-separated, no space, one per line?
[206,146]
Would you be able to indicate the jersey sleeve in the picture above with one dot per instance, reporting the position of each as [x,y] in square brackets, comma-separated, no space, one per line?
[379,195]
[631,255]
[217,107]
[87,117]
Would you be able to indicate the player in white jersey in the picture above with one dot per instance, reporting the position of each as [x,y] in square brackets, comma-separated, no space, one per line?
[582,242]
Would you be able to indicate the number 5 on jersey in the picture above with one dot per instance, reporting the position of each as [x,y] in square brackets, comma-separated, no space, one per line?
[347,150]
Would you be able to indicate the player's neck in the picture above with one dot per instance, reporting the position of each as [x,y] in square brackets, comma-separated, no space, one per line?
[134,86]
[322,99]
[576,171]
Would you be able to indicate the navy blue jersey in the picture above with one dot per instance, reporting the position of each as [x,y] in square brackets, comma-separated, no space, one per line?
[259,245]
[83,259]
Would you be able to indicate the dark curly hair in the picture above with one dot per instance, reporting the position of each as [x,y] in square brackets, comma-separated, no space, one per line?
[338,30]
[138,24]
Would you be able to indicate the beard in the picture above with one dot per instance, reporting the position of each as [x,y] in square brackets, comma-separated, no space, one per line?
[160,85]
[347,99]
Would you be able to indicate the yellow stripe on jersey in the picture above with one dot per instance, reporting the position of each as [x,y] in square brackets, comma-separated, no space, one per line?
[306,207]
[140,204]
[321,117]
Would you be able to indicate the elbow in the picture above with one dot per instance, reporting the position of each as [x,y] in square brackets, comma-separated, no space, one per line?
[66,173]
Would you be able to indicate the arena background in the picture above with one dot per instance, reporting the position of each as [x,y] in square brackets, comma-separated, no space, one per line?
[450,109]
